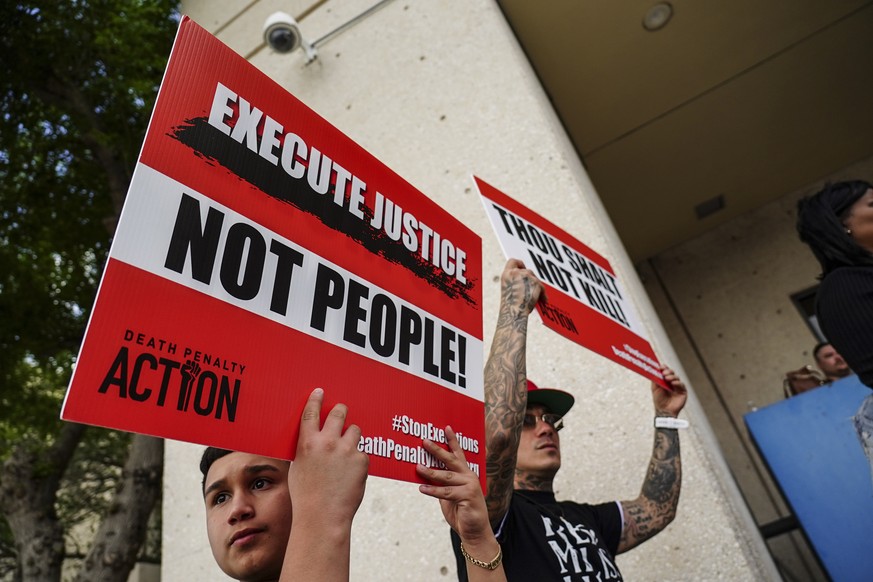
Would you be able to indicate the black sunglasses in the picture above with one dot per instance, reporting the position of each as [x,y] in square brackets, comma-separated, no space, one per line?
[553,420]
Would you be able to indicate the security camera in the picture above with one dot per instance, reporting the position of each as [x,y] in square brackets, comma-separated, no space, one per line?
[281,32]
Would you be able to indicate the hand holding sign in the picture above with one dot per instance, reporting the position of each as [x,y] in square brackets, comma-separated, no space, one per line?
[457,488]
[669,401]
[326,482]
[520,290]
[327,477]
[462,503]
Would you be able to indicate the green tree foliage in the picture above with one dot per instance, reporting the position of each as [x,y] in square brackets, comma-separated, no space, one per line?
[78,79]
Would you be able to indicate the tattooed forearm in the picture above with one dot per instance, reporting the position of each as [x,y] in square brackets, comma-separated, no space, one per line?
[662,478]
[506,393]
[656,506]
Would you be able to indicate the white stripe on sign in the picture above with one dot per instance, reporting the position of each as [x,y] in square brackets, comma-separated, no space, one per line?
[180,235]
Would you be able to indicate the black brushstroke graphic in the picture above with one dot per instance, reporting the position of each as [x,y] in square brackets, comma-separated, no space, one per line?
[211,144]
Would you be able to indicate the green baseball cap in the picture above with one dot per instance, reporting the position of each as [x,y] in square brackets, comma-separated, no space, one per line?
[557,401]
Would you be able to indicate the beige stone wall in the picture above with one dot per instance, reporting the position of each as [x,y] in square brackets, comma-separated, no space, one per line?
[439,90]
[724,298]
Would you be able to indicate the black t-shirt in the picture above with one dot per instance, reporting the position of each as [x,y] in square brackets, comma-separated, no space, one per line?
[845,313]
[544,540]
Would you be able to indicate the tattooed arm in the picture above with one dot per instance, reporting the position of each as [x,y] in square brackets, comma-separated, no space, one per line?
[506,384]
[655,508]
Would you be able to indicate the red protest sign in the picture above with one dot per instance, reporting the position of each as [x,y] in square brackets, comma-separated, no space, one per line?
[586,301]
[261,253]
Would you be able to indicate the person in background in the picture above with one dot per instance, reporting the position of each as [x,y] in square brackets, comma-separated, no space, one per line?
[837,225]
[830,362]
[832,366]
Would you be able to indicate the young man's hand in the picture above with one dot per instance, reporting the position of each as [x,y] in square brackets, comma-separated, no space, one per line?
[328,475]
[326,482]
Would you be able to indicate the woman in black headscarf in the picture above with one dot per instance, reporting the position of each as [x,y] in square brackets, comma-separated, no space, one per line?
[837,224]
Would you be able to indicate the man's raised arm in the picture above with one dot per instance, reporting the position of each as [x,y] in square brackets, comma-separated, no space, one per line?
[506,384]
[656,505]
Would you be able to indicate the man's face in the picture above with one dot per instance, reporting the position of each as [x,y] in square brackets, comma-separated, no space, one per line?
[539,450]
[248,515]
[831,363]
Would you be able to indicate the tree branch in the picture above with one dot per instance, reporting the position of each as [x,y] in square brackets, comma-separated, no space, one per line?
[123,530]
[28,491]
[67,96]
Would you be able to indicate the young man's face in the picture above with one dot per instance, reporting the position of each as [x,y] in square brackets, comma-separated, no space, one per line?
[539,449]
[248,515]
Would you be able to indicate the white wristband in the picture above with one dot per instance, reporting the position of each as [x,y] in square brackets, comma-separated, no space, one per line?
[670,422]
